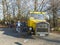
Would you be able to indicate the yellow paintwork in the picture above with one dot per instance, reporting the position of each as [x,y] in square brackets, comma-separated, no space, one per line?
[32,22]
[33,12]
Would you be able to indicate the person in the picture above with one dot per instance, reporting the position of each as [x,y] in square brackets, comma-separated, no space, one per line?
[24,26]
[18,25]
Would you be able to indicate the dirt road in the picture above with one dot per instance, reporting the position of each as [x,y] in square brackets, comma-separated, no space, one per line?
[9,37]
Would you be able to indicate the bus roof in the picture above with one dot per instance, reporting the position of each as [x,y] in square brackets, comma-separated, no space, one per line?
[37,12]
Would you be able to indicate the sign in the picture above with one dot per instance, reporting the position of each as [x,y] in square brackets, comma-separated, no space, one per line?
[37,12]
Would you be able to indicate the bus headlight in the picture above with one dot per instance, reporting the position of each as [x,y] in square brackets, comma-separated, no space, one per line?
[30,28]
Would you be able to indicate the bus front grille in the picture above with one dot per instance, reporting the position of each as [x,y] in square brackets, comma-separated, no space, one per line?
[42,29]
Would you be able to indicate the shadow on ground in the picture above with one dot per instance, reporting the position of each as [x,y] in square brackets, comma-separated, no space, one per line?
[13,33]
[9,32]
[50,40]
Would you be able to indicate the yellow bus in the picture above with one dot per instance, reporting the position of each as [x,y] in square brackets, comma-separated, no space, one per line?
[37,23]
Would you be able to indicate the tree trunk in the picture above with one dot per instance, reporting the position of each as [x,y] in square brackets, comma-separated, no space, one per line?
[54,17]
[35,5]
[4,10]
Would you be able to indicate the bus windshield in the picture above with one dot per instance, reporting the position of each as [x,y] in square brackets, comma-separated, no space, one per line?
[38,16]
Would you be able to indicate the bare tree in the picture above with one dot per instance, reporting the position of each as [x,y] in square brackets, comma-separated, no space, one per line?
[54,9]
[19,10]
[4,10]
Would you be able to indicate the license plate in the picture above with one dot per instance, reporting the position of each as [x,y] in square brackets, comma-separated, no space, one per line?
[42,34]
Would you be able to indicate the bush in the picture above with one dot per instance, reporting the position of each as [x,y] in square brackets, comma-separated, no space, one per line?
[57,28]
